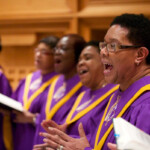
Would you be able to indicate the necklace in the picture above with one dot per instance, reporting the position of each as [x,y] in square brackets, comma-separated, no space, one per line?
[36,84]
[82,106]
[60,92]
[112,110]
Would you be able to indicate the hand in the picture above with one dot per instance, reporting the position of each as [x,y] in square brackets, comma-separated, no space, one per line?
[112,146]
[50,123]
[44,146]
[5,111]
[54,138]
[24,117]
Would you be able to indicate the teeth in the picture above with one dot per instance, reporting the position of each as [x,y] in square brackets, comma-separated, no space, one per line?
[82,71]
[106,66]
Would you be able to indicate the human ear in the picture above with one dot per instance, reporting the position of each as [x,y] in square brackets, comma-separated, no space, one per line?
[142,53]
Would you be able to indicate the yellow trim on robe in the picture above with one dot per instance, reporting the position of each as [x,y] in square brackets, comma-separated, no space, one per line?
[26,89]
[27,102]
[51,113]
[50,95]
[7,133]
[90,107]
[99,145]
[79,98]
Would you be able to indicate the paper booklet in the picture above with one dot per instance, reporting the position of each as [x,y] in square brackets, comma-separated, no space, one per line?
[129,137]
[9,103]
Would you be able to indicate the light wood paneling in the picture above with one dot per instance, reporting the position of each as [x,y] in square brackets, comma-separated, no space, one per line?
[24,22]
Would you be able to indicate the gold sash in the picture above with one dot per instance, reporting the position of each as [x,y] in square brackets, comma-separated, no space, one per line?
[89,108]
[7,133]
[51,113]
[99,145]
[27,102]
[7,129]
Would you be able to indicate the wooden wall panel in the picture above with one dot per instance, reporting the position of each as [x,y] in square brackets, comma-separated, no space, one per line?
[24,22]
[33,7]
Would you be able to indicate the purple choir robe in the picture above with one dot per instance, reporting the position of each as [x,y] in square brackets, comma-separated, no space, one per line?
[59,116]
[6,90]
[91,119]
[24,133]
[137,114]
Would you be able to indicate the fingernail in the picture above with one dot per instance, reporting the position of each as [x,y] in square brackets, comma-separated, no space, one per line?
[50,128]
[45,140]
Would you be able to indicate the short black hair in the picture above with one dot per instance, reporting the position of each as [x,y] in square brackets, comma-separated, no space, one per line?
[79,44]
[50,41]
[93,43]
[139,29]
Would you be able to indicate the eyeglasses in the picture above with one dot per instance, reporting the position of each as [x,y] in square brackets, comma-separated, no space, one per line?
[113,47]
[43,51]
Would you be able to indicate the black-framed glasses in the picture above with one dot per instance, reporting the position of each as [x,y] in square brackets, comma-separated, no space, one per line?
[113,47]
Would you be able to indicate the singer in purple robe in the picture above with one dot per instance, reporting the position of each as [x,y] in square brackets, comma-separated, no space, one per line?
[30,91]
[125,55]
[67,87]
[6,90]
[89,105]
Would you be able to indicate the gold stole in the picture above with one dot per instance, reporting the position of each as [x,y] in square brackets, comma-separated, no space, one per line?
[6,120]
[99,145]
[51,113]
[89,108]
[7,133]
[27,102]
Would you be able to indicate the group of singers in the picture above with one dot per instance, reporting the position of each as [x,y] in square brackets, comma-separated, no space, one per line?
[79,87]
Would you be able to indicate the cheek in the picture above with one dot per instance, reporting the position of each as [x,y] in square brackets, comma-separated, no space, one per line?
[123,67]
[49,60]
[69,61]
[95,71]
[69,57]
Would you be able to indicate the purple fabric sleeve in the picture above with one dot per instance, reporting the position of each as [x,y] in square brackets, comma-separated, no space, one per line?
[140,115]
[5,86]
[6,90]
[88,148]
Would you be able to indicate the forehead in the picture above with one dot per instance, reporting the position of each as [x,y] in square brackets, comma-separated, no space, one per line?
[116,33]
[90,49]
[65,41]
[43,45]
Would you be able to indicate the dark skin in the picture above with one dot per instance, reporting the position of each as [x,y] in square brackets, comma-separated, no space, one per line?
[55,138]
[45,63]
[44,58]
[65,57]
[65,64]
[56,135]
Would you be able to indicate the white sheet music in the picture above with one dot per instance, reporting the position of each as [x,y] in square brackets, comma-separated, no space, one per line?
[129,137]
[11,103]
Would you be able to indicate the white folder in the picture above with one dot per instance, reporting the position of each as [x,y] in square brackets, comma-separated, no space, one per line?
[9,103]
[129,137]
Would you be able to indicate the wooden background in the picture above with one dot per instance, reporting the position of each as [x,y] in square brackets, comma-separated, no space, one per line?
[24,22]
